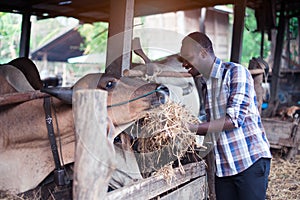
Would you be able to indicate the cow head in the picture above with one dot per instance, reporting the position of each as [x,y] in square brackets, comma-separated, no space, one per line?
[128,98]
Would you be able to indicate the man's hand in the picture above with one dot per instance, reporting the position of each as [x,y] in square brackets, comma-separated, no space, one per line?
[195,128]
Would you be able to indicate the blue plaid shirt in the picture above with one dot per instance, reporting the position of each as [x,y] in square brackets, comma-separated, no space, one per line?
[230,91]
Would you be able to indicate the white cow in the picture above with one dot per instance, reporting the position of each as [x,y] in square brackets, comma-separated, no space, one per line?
[170,72]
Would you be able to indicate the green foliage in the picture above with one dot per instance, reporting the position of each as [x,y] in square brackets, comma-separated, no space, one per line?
[10,31]
[45,30]
[95,36]
[42,31]
[252,39]
[293,34]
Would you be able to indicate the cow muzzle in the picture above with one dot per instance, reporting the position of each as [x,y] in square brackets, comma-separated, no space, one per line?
[162,93]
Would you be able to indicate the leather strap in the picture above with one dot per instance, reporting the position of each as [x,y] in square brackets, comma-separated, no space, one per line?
[59,172]
[51,135]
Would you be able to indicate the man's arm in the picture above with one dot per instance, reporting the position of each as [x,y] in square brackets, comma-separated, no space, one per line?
[213,126]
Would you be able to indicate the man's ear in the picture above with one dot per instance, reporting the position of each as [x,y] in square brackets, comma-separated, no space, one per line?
[202,53]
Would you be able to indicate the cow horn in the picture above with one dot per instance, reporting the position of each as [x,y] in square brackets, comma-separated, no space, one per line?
[187,90]
[64,94]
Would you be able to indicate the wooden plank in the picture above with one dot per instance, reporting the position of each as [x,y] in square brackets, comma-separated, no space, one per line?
[195,190]
[94,153]
[155,185]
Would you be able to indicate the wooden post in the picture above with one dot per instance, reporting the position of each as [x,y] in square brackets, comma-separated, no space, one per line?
[119,36]
[94,154]
[277,62]
[211,171]
[202,20]
[258,80]
[238,28]
[25,35]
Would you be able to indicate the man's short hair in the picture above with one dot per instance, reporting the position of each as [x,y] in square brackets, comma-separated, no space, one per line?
[201,39]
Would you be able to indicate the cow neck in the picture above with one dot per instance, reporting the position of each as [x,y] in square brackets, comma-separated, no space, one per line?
[59,173]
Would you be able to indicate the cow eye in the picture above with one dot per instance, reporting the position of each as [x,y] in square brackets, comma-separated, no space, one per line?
[110,85]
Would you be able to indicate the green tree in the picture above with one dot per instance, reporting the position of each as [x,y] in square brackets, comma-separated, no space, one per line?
[10,31]
[252,39]
[95,36]
[292,39]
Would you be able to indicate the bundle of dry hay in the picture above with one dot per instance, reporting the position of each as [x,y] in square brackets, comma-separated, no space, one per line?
[284,179]
[164,137]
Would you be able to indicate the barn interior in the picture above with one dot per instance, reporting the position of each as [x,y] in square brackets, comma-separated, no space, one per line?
[270,15]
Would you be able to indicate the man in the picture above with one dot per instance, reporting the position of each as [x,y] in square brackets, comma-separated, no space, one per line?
[241,149]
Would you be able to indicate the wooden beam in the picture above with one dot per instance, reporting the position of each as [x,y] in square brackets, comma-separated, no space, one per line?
[238,29]
[20,97]
[120,32]
[25,35]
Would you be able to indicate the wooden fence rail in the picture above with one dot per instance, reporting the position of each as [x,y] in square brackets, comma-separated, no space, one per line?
[95,159]
[189,185]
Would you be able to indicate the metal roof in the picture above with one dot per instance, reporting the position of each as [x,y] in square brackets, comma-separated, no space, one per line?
[99,10]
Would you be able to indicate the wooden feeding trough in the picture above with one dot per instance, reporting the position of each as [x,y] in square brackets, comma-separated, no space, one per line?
[190,185]
[283,135]
[185,182]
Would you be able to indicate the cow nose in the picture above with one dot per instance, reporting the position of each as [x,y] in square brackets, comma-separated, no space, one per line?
[162,93]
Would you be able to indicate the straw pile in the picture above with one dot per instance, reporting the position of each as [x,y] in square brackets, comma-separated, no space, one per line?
[165,124]
[164,137]
[284,179]
[5,195]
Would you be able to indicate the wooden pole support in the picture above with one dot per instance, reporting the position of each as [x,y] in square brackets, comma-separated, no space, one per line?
[94,153]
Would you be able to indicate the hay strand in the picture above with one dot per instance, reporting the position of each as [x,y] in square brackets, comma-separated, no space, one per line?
[164,136]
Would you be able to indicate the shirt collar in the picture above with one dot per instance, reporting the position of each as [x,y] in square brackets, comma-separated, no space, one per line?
[216,68]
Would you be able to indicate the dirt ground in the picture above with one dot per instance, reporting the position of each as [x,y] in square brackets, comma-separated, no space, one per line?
[284,179]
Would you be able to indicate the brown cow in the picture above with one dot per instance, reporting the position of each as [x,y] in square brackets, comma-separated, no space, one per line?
[25,154]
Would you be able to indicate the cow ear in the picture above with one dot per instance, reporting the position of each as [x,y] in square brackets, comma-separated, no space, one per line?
[64,94]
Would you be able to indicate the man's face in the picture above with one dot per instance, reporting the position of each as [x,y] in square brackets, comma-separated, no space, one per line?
[190,59]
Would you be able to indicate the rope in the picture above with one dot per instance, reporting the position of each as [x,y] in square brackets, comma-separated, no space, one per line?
[134,99]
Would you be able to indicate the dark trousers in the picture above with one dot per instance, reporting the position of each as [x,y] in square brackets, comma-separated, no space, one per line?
[250,184]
